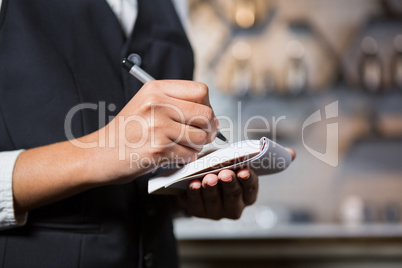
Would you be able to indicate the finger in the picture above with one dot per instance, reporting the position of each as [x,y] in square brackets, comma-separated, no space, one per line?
[189,136]
[292,152]
[203,118]
[186,112]
[197,115]
[181,89]
[249,181]
[232,196]
[194,202]
[212,196]
[178,153]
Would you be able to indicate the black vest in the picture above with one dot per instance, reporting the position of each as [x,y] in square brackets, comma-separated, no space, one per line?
[57,54]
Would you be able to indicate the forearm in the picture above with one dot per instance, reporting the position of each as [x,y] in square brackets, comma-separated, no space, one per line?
[51,173]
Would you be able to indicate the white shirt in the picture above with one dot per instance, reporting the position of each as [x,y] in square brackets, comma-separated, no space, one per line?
[7,217]
[126,11]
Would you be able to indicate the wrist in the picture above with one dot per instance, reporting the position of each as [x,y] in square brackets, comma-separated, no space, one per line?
[102,164]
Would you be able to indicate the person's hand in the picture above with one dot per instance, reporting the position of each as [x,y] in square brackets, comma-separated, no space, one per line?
[222,195]
[165,122]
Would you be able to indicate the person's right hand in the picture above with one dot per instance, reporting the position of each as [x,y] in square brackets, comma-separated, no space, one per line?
[166,121]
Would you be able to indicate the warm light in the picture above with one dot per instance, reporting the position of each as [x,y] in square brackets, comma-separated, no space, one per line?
[245,16]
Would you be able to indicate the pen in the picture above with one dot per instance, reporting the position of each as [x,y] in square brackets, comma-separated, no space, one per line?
[144,77]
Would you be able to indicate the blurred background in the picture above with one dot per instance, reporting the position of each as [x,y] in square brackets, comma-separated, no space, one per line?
[281,61]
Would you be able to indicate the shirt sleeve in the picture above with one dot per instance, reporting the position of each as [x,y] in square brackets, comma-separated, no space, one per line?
[8,219]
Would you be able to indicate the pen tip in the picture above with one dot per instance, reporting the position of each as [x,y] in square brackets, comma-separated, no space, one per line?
[221,137]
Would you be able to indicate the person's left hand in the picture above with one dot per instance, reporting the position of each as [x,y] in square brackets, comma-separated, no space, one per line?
[222,195]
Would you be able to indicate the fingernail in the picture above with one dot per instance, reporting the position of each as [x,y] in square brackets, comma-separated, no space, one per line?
[245,176]
[209,180]
[210,184]
[227,179]
[195,186]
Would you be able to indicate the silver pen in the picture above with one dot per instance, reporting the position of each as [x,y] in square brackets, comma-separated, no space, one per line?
[144,77]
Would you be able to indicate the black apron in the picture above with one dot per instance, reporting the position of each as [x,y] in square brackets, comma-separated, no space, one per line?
[57,54]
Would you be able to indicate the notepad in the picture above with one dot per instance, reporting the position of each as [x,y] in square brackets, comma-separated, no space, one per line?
[264,156]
